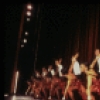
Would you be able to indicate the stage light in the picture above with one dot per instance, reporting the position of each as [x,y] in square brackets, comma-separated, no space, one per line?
[22,46]
[5,95]
[26,33]
[28,13]
[25,40]
[28,19]
[29,6]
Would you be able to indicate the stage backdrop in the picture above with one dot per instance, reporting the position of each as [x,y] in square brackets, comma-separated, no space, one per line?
[86,36]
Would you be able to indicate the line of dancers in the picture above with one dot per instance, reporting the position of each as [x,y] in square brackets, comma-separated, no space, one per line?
[56,82]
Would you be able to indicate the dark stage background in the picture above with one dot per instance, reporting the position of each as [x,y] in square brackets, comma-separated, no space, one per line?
[64,29]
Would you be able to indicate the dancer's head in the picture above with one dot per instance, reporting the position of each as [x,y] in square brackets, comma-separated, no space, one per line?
[60,60]
[97,52]
[56,62]
[77,55]
[73,59]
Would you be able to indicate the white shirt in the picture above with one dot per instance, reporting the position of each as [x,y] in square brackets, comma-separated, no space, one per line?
[98,61]
[52,72]
[76,68]
[44,74]
[59,70]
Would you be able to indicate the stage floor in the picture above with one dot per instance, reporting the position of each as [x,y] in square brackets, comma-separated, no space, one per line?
[31,98]
[22,98]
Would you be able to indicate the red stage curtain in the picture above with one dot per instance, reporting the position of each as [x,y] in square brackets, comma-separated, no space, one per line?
[86,37]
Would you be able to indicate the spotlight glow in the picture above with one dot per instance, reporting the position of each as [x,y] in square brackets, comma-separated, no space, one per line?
[26,33]
[28,19]
[25,40]
[28,13]
[5,95]
[22,46]
[15,87]
[29,6]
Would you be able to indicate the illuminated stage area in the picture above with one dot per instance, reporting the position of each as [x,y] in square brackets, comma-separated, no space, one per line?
[27,98]
[20,98]
[32,98]
[23,98]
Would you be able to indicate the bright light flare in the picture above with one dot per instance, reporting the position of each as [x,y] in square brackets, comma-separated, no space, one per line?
[26,33]
[28,19]
[16,80]
[22,46]
[5,95]
[28,13]
[25,40]
[29,6]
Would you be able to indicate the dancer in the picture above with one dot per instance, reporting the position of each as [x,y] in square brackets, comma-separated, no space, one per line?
[71,77]
[88,76]
[29,89]
[91,74]
[59,67]
[46,82]
[53,73]
[97,62]
[74,72]
[36,87]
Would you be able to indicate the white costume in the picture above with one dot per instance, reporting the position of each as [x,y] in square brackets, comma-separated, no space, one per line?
[98,62]
[52,72]
[59,70]
[76,68]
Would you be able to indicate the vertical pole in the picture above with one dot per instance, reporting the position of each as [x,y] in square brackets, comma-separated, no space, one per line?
[17,51]
[35,61]
[16,81]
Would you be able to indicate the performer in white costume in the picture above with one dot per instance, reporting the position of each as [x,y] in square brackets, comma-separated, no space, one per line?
[74,70]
